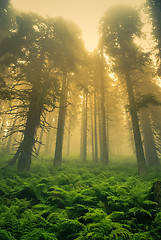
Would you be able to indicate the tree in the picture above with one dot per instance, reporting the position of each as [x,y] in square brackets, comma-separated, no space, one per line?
[98,75]
[118,28]
[147,94]
[61,122]
[73,52]
[154,8]
[148,139]
[36,82]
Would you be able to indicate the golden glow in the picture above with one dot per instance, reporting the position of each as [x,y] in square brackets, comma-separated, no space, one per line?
[86,13]
[113,76]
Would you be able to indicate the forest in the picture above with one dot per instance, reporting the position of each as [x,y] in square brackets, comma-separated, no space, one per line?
[80,131]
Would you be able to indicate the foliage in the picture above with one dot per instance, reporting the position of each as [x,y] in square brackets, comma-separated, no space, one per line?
[78,202]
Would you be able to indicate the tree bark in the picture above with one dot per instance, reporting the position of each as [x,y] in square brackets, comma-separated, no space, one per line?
[61,123]
[142,167]
[105,156]
[83,153]
[148,139]
[33,120]
[92,132]
[95,127]
[100,128]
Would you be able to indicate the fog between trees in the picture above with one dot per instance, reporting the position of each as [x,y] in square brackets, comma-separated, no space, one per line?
[59,100]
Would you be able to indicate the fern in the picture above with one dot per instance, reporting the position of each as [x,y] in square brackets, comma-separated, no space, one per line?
[143,236]
[76,211]
[39,234]
[11,224]
[140,213]
[75,202]
[58,196]
[5,235]
[120,234]
[98,230]
[94,215]
[84,199]
[117,216]
[69,229]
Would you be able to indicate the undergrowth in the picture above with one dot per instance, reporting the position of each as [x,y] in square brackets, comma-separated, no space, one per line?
[78,202]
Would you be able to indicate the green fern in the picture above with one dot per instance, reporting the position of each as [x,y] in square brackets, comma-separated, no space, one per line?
[58,196]
[98,230]
[77,210]
[94,215]
[5,235]
[69,229]
[119,232]
[39,234]
[140,213]
[143,236]
[117,216]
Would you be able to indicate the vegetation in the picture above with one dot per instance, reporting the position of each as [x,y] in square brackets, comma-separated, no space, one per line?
[78,202]
[57,100]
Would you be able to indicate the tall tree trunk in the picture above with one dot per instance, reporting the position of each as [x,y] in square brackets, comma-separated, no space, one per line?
[82,126]
[61,123]
[95,127]
[142,168]
[100,128]
[107,135]
[33,120]
[83,153]
[92,133]
[148,139]
[105,157]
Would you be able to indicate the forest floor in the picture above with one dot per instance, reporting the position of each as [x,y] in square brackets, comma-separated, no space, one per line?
[78,201]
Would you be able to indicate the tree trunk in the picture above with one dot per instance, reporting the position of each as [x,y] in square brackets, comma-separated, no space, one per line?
[82,126]
[33,120]
[95,127]
[105,157]
[83,153]
[142,168]
[148,139]
[100,128]
[92,133]
[61,123]
[107,135]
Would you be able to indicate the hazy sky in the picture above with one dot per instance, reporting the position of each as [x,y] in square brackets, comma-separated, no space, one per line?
[86,13]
